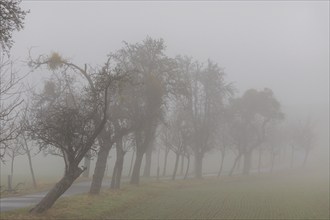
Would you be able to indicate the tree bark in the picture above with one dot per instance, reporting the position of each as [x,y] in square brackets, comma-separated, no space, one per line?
[118,169]
[135,178]
[147,166]
[158,167]
[113,178]
[87,164]
[100,166]
[142,145]
[58,190]
[234,165]
[221,163]
[187,169]
[31,169]
[131,166]
[259,161]
[176,165]
[12,169]
[165,161]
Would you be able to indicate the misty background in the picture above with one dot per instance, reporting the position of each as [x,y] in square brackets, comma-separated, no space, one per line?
[280,45]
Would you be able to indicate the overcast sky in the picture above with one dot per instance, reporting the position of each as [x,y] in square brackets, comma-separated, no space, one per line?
[280,45]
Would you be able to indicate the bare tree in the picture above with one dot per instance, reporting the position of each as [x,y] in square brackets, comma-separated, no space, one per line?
[64,117]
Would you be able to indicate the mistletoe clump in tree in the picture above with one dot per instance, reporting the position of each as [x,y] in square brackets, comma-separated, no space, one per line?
[68,115]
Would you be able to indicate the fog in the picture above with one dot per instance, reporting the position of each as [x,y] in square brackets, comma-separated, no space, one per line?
[279,45]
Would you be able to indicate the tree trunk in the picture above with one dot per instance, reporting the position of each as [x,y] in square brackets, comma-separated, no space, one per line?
[176,165]
[12,169]
[119,170]
[182,164]
[165,161]
[10,185]
[158,167]
[141,148]
[234,165]
[259,161]
[247,162]
[147,166]
[31,169]
[60,187]
[221,163]
[99,170]
[135,178]
[114,174]
[116,177]
[187,169]
[131,165]
[198,165]
[87,164]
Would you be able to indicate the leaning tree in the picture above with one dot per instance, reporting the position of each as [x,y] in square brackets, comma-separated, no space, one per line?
[68,115]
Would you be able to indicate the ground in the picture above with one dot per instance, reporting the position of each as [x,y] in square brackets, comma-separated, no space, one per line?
[278,196]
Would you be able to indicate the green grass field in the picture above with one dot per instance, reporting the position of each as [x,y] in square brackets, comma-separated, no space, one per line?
[280,196]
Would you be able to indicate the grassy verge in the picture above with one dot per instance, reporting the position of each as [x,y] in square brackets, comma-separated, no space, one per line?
[43,185]
[106,204]
[278,196]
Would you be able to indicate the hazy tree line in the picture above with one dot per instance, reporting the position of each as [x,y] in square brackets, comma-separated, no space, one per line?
[139,99]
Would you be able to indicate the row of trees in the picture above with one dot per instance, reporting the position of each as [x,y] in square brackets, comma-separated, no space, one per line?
[137,97]
[140,96]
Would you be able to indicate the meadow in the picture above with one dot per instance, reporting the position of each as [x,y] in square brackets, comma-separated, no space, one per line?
[278,196]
